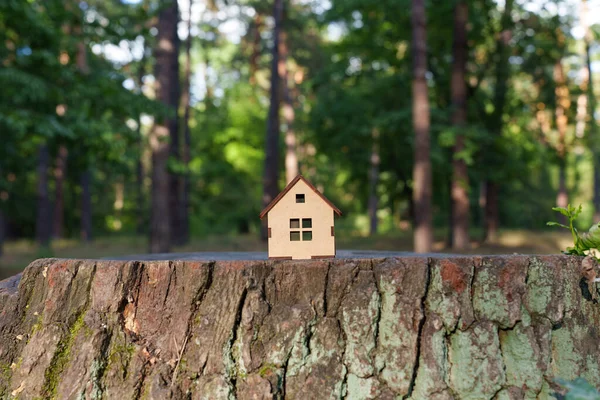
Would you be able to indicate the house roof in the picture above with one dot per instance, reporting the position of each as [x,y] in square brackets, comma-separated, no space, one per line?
[287,189]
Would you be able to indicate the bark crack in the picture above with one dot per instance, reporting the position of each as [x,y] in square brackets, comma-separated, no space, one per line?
[413,378]
[195,305]
[139,385]
[172,271]
[325,290]
[230,360]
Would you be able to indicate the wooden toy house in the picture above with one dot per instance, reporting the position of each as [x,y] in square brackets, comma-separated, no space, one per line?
[300,223]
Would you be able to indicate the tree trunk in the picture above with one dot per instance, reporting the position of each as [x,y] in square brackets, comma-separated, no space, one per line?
[139,183]
[423,233]
[449,328]
[167,56]
[563,103]
[271,171]
[141,209]
[60,172]
[291,156]
[256,41]
[43,225]
[165,188]
[86,206]
[460,175]
[373,180]
[490,227]
[184,234]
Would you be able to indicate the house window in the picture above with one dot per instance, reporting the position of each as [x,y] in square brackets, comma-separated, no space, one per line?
[296,235]
[300,198]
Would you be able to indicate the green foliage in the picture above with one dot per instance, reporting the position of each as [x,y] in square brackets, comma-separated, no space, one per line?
[351,93]
[582,243]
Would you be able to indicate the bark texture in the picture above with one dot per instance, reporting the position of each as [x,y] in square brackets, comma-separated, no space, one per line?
[411,327]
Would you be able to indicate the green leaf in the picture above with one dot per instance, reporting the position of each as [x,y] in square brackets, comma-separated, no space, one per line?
[561,210]
[591,239]
[557,224]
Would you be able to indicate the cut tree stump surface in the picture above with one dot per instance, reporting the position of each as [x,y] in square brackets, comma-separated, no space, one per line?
[418,327]
[258,255]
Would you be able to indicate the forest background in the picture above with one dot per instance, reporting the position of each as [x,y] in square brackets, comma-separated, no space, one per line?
[155,125]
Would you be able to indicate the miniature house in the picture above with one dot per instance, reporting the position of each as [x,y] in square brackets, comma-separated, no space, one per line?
[300,223]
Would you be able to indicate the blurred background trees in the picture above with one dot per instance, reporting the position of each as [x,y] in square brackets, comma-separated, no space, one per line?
[180,120]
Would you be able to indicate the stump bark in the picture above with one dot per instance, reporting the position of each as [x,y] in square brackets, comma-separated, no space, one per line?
[502,327]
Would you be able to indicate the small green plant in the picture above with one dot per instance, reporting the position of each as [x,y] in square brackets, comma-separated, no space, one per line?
[582,243]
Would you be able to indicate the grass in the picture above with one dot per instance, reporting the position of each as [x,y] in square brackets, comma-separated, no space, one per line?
[18,254]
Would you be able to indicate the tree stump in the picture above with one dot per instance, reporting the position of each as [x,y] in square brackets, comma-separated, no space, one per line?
[502,327]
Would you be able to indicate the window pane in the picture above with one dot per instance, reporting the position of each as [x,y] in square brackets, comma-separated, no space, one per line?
[295,236]
[299,198]
[307,235]
[307,222]
[294,223]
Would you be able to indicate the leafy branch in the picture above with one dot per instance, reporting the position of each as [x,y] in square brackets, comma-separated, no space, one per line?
[584,242]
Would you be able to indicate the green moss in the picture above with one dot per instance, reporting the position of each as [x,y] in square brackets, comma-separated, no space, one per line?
[266,369]
[61,358]
[121,353]
[5,377]
[37,325]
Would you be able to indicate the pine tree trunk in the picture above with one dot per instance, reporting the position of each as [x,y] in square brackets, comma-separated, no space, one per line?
[291,156]
[491,221]
[423,233]
[256,42]
[86,206]
[170,96]
[141,210]
[271,171]
[139,185]
[184,210]
[165,188]
[43,225]
[60,172]
[460,176]
[373,180]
